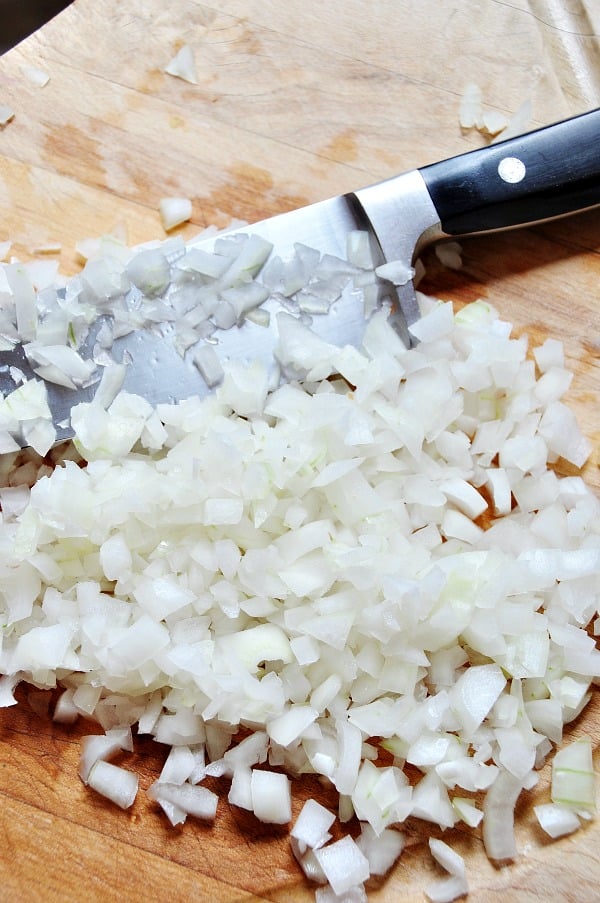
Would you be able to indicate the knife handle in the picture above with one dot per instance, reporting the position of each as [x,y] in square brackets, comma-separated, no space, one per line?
[541,175]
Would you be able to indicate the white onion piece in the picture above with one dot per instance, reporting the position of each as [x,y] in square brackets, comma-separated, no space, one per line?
[183,65]
[65,710]
[116,784]
[7,686]
[98,746]
[467,811]
[447,857]
[111,383]
[359,249]
[573,779]
[179,765]
[498,817]
[190,799]
[555,820]
[381,850]
[6,114]
[265,642]
[209,365]
[471,110]
[271,797]
[449,253]
[250,751]
[466,498]
[447,889]
[549,355]
[493,122]
[37,77]
[24,299]
[174,211]
[395,271]
[291,724]
[59,364]
[343,864]
[311,828]
[40,435]
[240,791]
[356,894]
[13,500]
[150,271]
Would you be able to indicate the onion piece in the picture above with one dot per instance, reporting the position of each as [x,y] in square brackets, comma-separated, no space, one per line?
[240,792]
[493,122]
[395,271]
[311,828]
[174,211]
[183,65]
[449,253]
[102,747]
[8,682]
[179,765]
[381,850]
[573,779]
[116,784]
[556,821]
[149,270]
[356,894]
[471,110]
[24,299]
[36,76]
[498,817]
[271,797]
[190,799]
[6,114]
[344,865]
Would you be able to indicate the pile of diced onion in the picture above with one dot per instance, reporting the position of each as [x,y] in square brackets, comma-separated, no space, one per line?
[369,572]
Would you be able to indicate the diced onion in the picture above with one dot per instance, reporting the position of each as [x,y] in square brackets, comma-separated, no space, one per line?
[116,784]
[573,779]
[373,552]
[174,211]
[498,817]
[557,821]
[183,65]
[6,114]
[37,77]
[343,864]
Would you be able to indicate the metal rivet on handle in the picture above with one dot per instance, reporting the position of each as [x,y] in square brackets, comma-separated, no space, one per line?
[511,169]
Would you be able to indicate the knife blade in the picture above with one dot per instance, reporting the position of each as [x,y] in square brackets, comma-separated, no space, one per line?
[542,175]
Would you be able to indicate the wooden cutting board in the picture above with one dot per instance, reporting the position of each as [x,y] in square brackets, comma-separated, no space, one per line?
[296,101]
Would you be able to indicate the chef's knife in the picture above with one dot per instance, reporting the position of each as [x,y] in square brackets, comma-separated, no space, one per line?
[542,175]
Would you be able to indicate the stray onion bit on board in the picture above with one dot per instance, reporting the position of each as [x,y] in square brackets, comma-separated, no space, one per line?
[37,77]
[183,65]
[491,124]
[174,212]
[368,573]
[6,114]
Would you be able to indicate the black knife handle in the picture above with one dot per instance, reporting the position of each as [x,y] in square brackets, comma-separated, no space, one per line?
[546,173]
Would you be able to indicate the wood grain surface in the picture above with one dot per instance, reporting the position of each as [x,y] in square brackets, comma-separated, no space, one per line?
[296,102]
